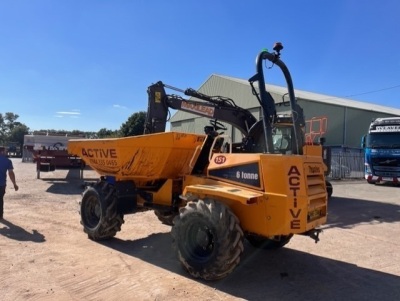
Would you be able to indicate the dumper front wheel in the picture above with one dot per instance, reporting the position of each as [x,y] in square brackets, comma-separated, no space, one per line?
[99,215]
[208,239]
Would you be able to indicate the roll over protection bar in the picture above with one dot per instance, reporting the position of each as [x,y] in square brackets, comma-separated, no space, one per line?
[268,104]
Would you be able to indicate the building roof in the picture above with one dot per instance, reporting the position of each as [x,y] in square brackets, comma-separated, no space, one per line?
[279,91]
[322,98]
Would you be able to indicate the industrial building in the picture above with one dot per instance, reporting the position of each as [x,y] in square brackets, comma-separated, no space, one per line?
[341,121]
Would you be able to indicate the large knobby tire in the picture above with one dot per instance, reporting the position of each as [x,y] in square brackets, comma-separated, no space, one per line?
[268,243]
[208,239]
[99,215]
[167,218]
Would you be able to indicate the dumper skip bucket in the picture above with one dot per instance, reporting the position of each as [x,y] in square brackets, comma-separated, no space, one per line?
[145,157]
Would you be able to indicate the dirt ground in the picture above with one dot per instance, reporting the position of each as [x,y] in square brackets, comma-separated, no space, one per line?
[44,254]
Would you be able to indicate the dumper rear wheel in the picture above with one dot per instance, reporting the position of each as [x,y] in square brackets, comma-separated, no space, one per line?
[208,239]
[99,215]
[269,243]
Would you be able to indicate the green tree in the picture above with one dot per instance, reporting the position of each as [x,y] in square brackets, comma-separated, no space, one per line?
[12,130]
[2,130]
[106,133]
[11,121]
[17,134]
[134,125]
[76,133]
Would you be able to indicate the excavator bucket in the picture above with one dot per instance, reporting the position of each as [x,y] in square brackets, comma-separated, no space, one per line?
[146,157]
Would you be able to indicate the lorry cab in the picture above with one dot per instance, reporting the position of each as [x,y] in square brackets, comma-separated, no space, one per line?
[382,151]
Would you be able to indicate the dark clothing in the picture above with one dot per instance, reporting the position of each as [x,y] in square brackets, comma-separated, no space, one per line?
[2,192]
[5,165]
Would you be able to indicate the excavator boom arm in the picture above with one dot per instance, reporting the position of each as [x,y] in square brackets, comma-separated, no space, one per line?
[222,109]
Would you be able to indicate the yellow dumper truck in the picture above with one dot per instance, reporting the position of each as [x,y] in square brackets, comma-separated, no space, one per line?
[213,193]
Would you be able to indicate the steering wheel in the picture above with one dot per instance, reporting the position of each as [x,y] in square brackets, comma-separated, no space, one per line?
[217,125]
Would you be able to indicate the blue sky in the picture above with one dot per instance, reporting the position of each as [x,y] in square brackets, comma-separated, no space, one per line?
[86,65]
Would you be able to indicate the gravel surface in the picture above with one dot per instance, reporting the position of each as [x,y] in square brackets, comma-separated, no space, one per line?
[44,254]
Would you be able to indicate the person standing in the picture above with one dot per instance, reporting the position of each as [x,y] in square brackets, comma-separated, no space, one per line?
[5,166]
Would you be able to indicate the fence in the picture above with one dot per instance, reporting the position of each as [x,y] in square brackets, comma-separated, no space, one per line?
[347,163]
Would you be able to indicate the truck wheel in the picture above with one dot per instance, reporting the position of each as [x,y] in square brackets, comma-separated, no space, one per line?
[208,239]
[261,242]
[167,218]
[99,215]
[329,188]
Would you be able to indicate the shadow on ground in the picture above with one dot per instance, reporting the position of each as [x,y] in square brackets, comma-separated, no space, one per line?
[284,274]
[66,187]
[15,232]
[70,184]
[288,274]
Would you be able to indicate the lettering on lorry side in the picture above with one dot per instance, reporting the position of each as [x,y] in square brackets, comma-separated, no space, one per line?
[100,153]
[104,162]
[386,128]
[294,187]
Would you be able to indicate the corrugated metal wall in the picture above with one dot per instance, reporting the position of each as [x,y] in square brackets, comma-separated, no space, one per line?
[215,85]
[345,126]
